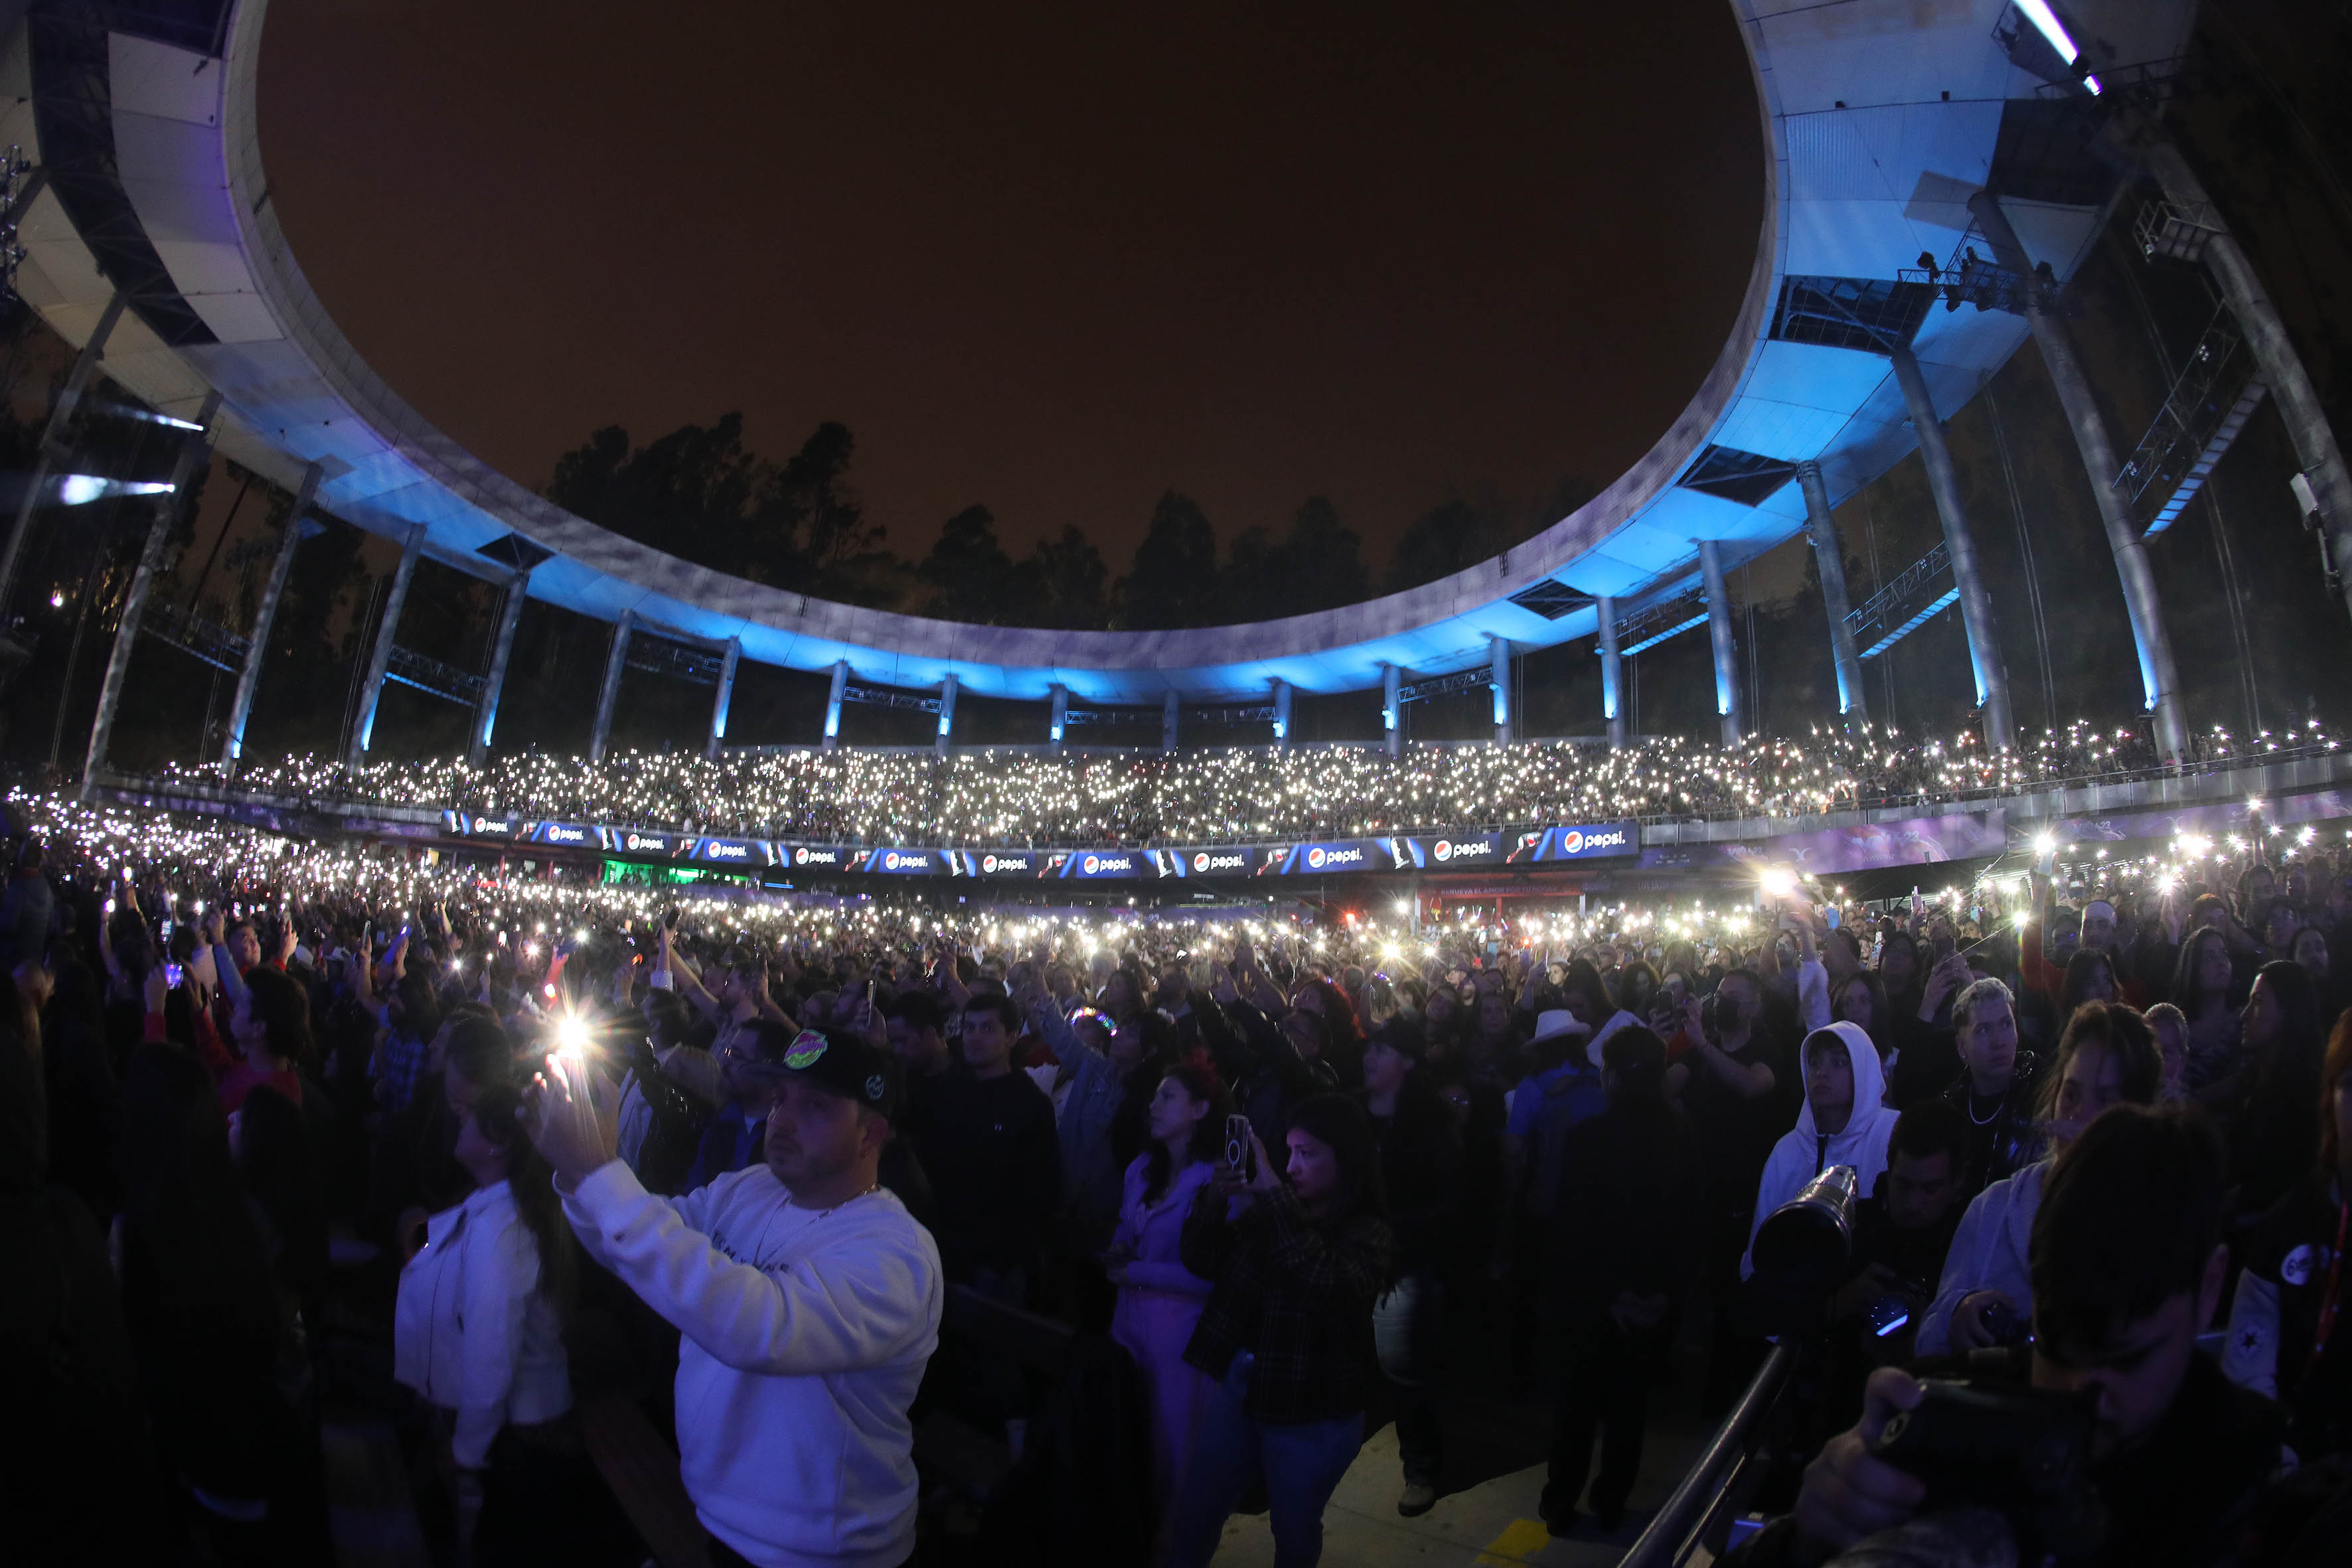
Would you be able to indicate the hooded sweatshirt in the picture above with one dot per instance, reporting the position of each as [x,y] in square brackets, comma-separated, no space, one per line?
[1804,1152]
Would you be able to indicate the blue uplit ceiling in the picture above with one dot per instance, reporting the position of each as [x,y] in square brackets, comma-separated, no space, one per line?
[1884,116]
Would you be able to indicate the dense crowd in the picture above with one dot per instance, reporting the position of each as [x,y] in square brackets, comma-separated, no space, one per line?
[289,1125]
[1245,793]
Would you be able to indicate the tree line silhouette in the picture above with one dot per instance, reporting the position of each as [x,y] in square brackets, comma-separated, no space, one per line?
[702,494]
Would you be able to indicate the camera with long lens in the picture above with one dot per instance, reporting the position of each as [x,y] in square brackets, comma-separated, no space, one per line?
[1803,1252]
[2024,1453]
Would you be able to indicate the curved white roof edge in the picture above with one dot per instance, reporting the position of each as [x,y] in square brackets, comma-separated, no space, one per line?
[1866,107]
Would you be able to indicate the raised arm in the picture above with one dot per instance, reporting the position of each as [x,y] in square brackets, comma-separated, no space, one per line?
[835,1311]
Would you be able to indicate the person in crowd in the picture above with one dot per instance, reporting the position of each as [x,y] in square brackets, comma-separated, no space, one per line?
[1421,1171]
[1900,973]
[1843,1121]
[2266,1105]
[1732,1085]
[750,1071]
[916,1026]
[1563,1090]
[2310,950]
[1902,1232]
[1159,1300]
[2170,1028]
[2282,1341]
[2202,988]
[84,1088]
[2127,1267]
[220,1365]
[1295,1266]
[808,1298]
[2282,918]
[2090,977]
[2107,1057]
[1271,1054]
[78,1477]
[1629,1221]
[278,1162]
[1859,999]
[1999,1088]
[478,1333]
[26,907]
[1102,1123]
[994,1157]
[1931,1055]
[270,1022]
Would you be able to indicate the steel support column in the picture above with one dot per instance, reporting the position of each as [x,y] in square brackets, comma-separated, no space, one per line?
[196,443]
[1170,711]
[380,660]
[947,711]
[2160,679]
[1498,651]
[61,414]
[1829,558]
[1718,636]
[485,712]
[1961,544]
[1057,723]
[1612,671]
[833,703]
[2315,447]
[724,699]
[248,679]
[1392,710]
[1281,712]
[609,697]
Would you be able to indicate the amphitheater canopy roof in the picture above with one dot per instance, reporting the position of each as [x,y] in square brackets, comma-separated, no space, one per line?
[1882,117]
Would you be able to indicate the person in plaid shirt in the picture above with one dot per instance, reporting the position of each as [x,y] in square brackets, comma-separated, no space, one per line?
[1296,1266]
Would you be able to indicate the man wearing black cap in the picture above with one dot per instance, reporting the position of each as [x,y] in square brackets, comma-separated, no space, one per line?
[808,1298]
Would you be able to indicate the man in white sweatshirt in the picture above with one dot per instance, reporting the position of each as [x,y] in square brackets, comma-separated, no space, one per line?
[1842,1122]
[808,1298]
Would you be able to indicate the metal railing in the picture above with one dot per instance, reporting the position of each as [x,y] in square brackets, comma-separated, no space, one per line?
[1700,1509]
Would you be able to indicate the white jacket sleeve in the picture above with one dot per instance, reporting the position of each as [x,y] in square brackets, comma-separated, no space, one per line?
[501,1271]
[2249,1353]
[830,1312]
[1814,995]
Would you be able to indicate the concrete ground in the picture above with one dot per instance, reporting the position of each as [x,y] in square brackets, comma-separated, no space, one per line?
[1497,1432]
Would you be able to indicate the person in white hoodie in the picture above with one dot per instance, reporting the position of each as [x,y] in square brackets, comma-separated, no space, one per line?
[808,1298]
[1843,1121]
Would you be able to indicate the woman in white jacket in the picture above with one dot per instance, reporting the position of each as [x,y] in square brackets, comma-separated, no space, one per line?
[478,1333]
[1843,1121]
[2107,1057]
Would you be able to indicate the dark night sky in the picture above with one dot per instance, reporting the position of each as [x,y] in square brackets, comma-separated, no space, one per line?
[1054,258]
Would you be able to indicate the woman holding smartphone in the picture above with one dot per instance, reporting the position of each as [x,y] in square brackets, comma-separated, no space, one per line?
[1295,1266]
[1160,1300]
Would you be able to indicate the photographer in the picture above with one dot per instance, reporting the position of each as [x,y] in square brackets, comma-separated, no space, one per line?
[809,1299]
[2127,1267]
[1901,1233]
[1843,1121]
